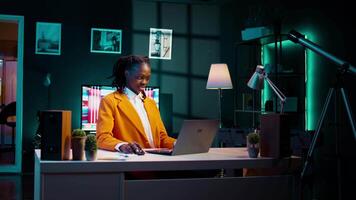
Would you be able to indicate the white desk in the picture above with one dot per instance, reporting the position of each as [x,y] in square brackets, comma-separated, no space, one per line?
[104,178]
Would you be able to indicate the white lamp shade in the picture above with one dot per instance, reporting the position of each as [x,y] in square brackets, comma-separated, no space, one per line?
[219,77]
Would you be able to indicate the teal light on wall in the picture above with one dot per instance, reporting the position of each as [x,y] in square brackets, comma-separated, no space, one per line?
[266,59]
[311,112]
[311,78]
[266,93]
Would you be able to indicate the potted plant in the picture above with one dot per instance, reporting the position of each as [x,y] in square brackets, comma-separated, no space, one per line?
[91,147]
[78,143]
[253,144]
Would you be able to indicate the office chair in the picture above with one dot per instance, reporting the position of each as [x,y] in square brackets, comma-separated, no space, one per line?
[8,117]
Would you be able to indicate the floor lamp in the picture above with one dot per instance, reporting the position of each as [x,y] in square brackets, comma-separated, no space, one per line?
[219,79]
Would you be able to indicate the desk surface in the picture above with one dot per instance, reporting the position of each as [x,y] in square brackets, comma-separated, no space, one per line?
[216,158]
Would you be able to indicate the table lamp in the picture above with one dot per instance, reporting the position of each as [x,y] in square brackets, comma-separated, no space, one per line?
[219,79]
[256,83]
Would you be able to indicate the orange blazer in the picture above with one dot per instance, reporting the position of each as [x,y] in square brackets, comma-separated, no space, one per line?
[119,122]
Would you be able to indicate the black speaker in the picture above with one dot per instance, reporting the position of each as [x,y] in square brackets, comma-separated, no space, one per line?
[275,135]
[55,128]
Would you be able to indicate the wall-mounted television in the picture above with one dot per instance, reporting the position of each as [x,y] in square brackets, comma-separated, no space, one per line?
[91,97]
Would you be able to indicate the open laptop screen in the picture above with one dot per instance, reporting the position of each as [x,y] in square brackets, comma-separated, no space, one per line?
[195,136]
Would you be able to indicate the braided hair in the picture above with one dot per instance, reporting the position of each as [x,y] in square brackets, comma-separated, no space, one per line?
[126,63]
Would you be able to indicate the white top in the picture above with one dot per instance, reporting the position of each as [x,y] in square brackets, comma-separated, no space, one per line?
[137,102]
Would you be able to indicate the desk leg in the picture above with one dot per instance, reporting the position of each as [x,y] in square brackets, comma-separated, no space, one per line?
[37,180]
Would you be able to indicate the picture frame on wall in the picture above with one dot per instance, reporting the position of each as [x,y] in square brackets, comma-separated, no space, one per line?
[48,38]
[106,40]
[160,46]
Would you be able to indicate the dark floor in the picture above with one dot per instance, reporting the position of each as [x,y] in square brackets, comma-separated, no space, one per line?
[16,187]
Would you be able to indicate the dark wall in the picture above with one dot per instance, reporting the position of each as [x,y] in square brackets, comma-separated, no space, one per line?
[75,66]
[195,46]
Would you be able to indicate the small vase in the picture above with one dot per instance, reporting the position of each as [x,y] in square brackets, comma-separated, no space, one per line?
[91,155]
[253,151]
[78,144]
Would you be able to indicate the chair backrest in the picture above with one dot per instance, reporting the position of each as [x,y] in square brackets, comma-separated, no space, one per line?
[8,111]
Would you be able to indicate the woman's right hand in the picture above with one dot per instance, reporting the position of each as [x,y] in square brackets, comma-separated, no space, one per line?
[132,148]
[126,148]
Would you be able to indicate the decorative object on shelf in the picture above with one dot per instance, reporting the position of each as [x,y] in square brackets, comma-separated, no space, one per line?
[219,79]
[78,144]
[247,101]
[256,82]
[160,46]
[91,147]
[47,81]
[48,38]
[106,40]
[253,144]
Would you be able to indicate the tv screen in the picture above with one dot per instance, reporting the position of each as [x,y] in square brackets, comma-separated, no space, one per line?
[91,97]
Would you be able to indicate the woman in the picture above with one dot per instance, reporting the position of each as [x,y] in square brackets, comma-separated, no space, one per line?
[127,118]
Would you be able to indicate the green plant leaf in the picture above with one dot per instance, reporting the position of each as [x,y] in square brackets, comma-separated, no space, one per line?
[78,133]
[91,143]
[253,138]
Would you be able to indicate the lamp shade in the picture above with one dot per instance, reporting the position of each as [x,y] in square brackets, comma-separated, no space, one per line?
[257,78]
[219,77]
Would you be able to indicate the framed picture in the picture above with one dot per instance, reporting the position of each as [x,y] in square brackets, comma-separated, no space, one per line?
[105,40]
[48,38]
[160,43]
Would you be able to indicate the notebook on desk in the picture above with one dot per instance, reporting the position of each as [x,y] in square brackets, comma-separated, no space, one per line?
[195,136]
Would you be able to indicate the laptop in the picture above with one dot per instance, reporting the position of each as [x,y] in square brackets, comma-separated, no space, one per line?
[195,136]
